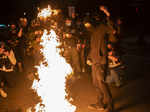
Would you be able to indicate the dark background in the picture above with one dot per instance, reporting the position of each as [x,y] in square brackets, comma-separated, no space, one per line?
[13,9]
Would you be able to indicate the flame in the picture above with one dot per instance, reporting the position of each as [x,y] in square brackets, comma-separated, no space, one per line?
[46,12]
[51,86]
[56,12]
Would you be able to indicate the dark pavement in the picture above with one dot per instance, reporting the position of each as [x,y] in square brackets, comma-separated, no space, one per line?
[133,96]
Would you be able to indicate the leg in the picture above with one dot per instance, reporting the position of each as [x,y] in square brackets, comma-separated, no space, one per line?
[75,60]
[103,88]
[2,85]
[104,98]
[115,77]
[94,75]
[105,91]
[20,67]
[82,55]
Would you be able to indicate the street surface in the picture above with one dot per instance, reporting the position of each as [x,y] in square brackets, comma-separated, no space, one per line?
[133,96]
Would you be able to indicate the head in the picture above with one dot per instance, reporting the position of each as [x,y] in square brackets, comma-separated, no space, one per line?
[2,45]
[119,21]
[12,26]
[68,35]
[87,25]
[73,15]
[78,22]
[109,46]
[23,22]
[68,22]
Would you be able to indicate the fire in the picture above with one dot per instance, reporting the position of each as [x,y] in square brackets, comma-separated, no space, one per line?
[51,86]
[52,75]
[46,12]
[56,12]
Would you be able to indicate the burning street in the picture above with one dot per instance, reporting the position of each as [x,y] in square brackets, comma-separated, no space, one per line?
[133,97]
[54,63]
[52,77]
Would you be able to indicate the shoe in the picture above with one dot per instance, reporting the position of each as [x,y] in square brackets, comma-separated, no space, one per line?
[96,107]
[108,110]
[3,93]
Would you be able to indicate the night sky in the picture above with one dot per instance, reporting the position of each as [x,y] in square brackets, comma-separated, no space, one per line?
[12,9]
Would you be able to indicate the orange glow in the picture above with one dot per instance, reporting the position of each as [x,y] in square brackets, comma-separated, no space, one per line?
[51,86]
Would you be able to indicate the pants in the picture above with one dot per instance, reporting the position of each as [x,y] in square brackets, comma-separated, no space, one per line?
[7,78]
[98,74]
[82,58]
[113,77]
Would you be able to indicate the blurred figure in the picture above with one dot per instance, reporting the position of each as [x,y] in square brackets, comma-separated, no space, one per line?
[35,46]
[118,28]
[71,54]
[81,44]
[98,56]
[87,34]
[119,36]
[81,50]
[113,65]
[70,47]
[21,47]
[7,67]
[13,33]
[14,43]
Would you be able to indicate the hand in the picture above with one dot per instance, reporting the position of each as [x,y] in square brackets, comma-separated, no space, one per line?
[6,53]
[115,59]
[89,62]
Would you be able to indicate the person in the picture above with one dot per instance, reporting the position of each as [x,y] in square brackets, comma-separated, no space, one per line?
[82,43]
[71,54]
[12,33]
[13,42]
[113,65]
[7,67]
[98,55]
[81,50]
[70,47]
[21,42]
[35,46]
[118,26]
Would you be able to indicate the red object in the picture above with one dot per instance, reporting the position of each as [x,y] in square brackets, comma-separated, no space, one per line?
[137,10]
[83,45]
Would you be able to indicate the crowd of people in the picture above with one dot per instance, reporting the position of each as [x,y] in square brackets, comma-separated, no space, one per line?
[87,43]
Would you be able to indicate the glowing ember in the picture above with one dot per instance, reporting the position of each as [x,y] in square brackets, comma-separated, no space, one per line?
[44,13]
[51,86]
